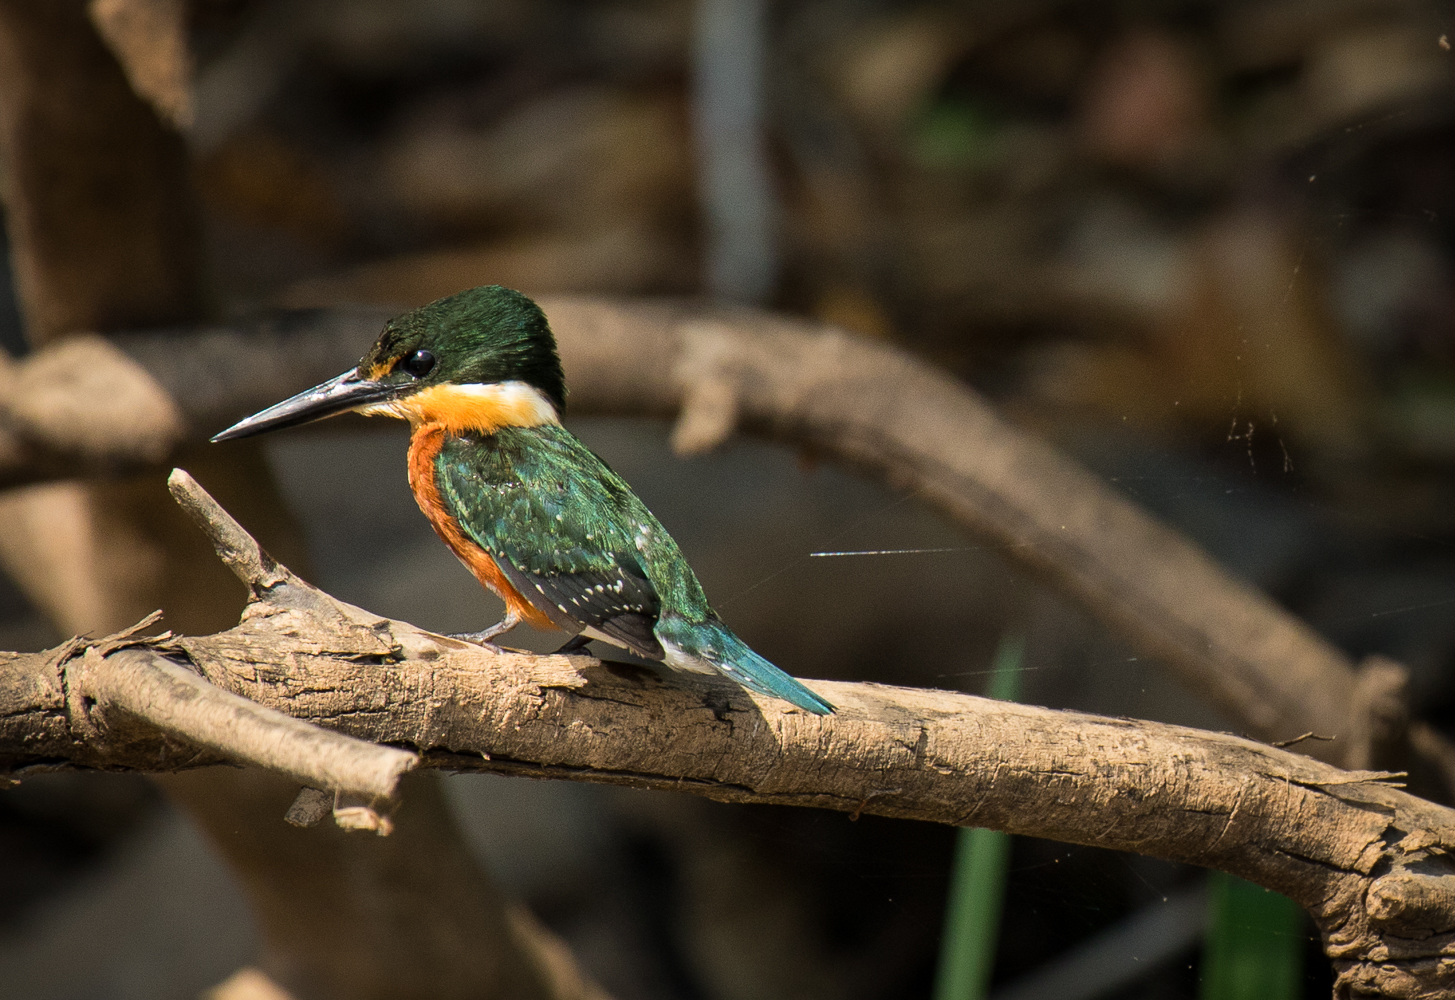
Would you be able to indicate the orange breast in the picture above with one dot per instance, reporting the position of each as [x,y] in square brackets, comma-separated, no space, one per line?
[424,446]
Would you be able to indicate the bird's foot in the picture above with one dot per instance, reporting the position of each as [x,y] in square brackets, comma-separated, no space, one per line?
[483,638]
[479,639]
[574,645]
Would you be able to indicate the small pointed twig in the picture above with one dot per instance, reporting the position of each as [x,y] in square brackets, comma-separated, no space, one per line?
[235,547]
[1285,744]
[263,575]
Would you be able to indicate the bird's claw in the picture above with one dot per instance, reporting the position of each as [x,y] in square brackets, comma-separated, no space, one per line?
[481,639]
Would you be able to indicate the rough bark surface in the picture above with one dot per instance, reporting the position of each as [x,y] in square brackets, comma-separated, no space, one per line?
[1370,862]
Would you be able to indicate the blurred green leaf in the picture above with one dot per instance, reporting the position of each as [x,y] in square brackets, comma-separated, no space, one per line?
[1254,947]
[956,134]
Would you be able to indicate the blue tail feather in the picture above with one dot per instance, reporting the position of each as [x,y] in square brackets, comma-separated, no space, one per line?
[714,644]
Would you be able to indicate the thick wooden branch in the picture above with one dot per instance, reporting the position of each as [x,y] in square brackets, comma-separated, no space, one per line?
[864,403]
[1371,862]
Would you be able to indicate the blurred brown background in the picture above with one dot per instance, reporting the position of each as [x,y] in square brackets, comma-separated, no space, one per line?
[1207,247]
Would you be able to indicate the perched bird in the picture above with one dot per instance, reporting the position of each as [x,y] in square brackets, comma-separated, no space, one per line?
[537,517]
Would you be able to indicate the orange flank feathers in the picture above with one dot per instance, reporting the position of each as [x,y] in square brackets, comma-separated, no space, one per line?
[424,446]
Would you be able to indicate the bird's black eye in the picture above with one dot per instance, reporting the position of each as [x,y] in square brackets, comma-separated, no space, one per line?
[419,364]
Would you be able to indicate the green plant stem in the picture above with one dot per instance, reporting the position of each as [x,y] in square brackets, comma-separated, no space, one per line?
[977,884]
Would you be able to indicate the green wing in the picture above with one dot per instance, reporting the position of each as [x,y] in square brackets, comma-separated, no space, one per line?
[568,532]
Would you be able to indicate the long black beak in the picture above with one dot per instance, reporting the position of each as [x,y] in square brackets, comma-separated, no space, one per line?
[335,396]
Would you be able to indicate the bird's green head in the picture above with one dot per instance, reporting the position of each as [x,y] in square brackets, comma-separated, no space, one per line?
[479,360]
[484,336]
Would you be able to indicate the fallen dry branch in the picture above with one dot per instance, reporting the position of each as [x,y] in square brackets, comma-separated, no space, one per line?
[863,403]
[1371,862]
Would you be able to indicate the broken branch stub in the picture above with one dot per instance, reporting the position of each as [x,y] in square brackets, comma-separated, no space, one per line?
[235,547]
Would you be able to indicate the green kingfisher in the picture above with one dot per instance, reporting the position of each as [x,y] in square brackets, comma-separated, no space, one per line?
[534,514]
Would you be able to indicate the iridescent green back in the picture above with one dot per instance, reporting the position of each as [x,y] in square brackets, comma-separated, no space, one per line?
[540,499]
